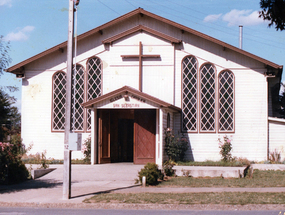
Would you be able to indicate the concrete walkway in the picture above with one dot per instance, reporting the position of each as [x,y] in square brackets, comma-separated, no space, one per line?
[88,180]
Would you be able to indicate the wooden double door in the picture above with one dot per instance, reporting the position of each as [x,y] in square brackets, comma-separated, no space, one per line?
[126,136]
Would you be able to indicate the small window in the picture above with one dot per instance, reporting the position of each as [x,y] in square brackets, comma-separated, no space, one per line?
[168,121]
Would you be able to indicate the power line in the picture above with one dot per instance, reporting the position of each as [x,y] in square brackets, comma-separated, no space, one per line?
[226,30]
[267,39]
[131,3]
[180,14]
[109,8]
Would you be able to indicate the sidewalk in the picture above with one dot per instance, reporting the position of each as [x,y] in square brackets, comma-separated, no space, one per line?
[88,180]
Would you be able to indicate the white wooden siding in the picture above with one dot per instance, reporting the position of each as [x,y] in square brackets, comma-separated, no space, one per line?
[161,79]
[157,73]
[277,136]
[36,120]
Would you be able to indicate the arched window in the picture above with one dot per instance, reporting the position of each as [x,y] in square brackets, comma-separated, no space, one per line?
[77,95]
[226,101]
[58,101]
[207,98]
[189,94]
[94,82]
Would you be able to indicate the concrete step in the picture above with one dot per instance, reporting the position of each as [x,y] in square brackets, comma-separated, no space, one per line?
[37,173]
[210,171]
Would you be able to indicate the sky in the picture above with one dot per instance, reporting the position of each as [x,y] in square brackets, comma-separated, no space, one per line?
[34,26]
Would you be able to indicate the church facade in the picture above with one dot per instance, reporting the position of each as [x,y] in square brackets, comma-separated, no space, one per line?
[141,75]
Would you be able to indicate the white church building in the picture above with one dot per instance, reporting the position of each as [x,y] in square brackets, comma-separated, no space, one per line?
[141,74]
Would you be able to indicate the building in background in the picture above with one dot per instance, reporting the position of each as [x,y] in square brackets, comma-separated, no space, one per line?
[141,74]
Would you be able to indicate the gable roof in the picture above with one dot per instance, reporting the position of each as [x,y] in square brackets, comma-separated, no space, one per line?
[141,28]
[127,90]
[19,67]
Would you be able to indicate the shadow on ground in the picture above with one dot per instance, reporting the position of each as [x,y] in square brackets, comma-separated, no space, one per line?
[102,192]
[29,184]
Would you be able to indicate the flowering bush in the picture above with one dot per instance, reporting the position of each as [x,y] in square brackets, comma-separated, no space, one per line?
[175,146]
[226,148]
[86,150]
[12,169]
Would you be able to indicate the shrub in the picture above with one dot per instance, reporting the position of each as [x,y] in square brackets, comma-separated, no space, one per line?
[44,162]
[175,146]
[226,148]
[241,161]
[12,169]
[168,168]
[86,149]
[275,157]
[152,174]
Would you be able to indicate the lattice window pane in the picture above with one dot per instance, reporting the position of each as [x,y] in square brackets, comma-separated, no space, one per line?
[226,101]
[94,78]
[189,94]
[59,97]
[77,93]
[207,100]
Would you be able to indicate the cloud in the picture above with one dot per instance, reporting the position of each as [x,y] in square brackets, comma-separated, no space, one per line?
[64,9]
[21,35]
[6,2]
[237,17]
[212,18]
[242,17]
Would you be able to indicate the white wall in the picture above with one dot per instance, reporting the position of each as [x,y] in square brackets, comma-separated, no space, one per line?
[277,136]
[36,117]
[160,78]
[250,137]
[157,72]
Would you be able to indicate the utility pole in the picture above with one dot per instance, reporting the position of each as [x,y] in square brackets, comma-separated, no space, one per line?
[67,151]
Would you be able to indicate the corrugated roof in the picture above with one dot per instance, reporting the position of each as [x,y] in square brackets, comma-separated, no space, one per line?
[99,29]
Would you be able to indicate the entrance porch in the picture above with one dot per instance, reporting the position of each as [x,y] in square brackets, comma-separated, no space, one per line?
[127,126]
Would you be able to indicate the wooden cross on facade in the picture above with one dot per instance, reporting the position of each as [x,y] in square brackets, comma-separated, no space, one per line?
[140,56]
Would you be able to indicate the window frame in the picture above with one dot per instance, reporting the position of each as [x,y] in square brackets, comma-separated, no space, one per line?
[85,95]
[87,85]
[200,99]
[219,106]
[52,103]
[197,96]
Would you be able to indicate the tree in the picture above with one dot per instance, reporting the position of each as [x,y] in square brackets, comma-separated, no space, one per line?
[12,169]
[4,55]
[273,11]
[9,115]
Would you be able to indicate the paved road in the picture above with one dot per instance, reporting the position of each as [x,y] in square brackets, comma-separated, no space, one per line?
[59,211]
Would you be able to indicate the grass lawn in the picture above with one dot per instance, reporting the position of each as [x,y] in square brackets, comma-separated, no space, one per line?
[189,198]
[260,178]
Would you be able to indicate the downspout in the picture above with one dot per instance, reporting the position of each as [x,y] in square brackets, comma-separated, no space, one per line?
[174,73]
[268,75]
